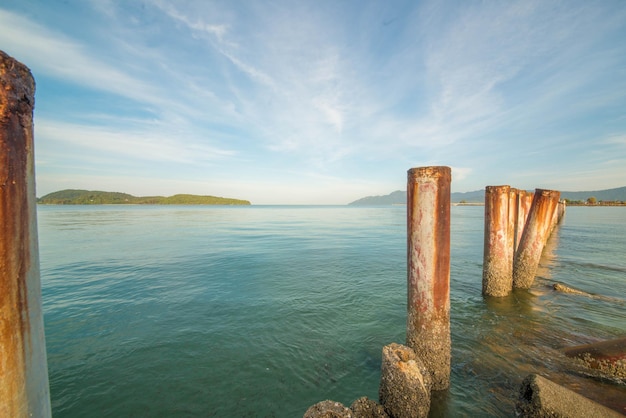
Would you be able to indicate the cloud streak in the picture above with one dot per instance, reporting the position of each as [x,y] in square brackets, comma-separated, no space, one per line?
[353,93]
[52,53]
[153,144]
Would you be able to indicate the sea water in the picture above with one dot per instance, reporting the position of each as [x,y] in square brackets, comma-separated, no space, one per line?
[262,311]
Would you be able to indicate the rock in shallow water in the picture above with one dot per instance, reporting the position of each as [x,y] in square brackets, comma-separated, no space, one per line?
[405,383]
[367,408]
[540,397]
[328,409]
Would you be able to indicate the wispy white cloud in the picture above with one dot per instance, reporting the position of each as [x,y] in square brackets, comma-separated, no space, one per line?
[152,144]
[299,106]
[217,30]
[50,52]
[461,173]
[333,88]
[619,139]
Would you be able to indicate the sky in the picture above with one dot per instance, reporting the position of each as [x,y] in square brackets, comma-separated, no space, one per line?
[325,101]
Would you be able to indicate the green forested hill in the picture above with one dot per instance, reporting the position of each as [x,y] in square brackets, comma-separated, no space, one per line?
[95,197]
[399,198]
[478,196]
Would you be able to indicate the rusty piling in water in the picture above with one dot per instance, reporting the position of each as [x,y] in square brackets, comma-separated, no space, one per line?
[24,388]
[539,224]
[514,212]
[428,278]
[498,242]
[559,212]
[525,200]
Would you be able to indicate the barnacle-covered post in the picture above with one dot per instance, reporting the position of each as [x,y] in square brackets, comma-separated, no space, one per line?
[23,370]
[428,278]
[536,233]
[498,242]
[525,200]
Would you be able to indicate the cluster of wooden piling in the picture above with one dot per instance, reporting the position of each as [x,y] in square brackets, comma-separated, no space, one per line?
[517,226]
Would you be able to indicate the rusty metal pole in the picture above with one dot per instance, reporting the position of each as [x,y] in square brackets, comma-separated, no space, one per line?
[536,233]
[559,212]
[497,260]
[562,209]
[428,278]
[514,204]
[24,388]
[525,200]
[554,221]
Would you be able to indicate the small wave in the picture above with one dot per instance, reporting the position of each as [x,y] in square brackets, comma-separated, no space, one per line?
[586,264]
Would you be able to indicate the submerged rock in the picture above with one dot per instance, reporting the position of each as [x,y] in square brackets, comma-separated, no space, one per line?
[607,357]
[566,289]
[559,287]
[367,408]
[328,409]
[540,397]
[405,383]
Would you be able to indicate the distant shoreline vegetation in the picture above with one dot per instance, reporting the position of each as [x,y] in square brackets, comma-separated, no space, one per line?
[94,197]
[591,204]
[607,197]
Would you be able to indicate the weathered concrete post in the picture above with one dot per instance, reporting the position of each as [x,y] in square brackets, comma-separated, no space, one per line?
[498,245]
[524,201]
[428,278]
[23,370]
[514,213]
[559,212]
[536,233]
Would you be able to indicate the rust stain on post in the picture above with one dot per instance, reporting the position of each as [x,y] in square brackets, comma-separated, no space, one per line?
[525,200]
[559,212]
[428,278]
[514,214]
[498,241]
[23,369]
[536,232]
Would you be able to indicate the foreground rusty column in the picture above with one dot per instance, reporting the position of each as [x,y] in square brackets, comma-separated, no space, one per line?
[428,279]
[23,370]
[536,232]
[498,242]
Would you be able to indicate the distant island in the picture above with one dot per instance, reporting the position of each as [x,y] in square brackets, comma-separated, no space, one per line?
[94,197]
[399,198]
[606,197]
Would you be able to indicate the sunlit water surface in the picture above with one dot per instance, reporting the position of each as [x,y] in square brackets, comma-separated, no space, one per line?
[260,311]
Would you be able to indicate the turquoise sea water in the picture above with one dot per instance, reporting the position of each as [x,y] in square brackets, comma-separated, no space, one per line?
[262,311]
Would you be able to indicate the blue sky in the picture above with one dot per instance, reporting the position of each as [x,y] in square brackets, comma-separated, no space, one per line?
[322,102]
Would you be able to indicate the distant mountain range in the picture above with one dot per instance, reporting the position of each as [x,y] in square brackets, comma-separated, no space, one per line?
[93,197]
[399,197]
